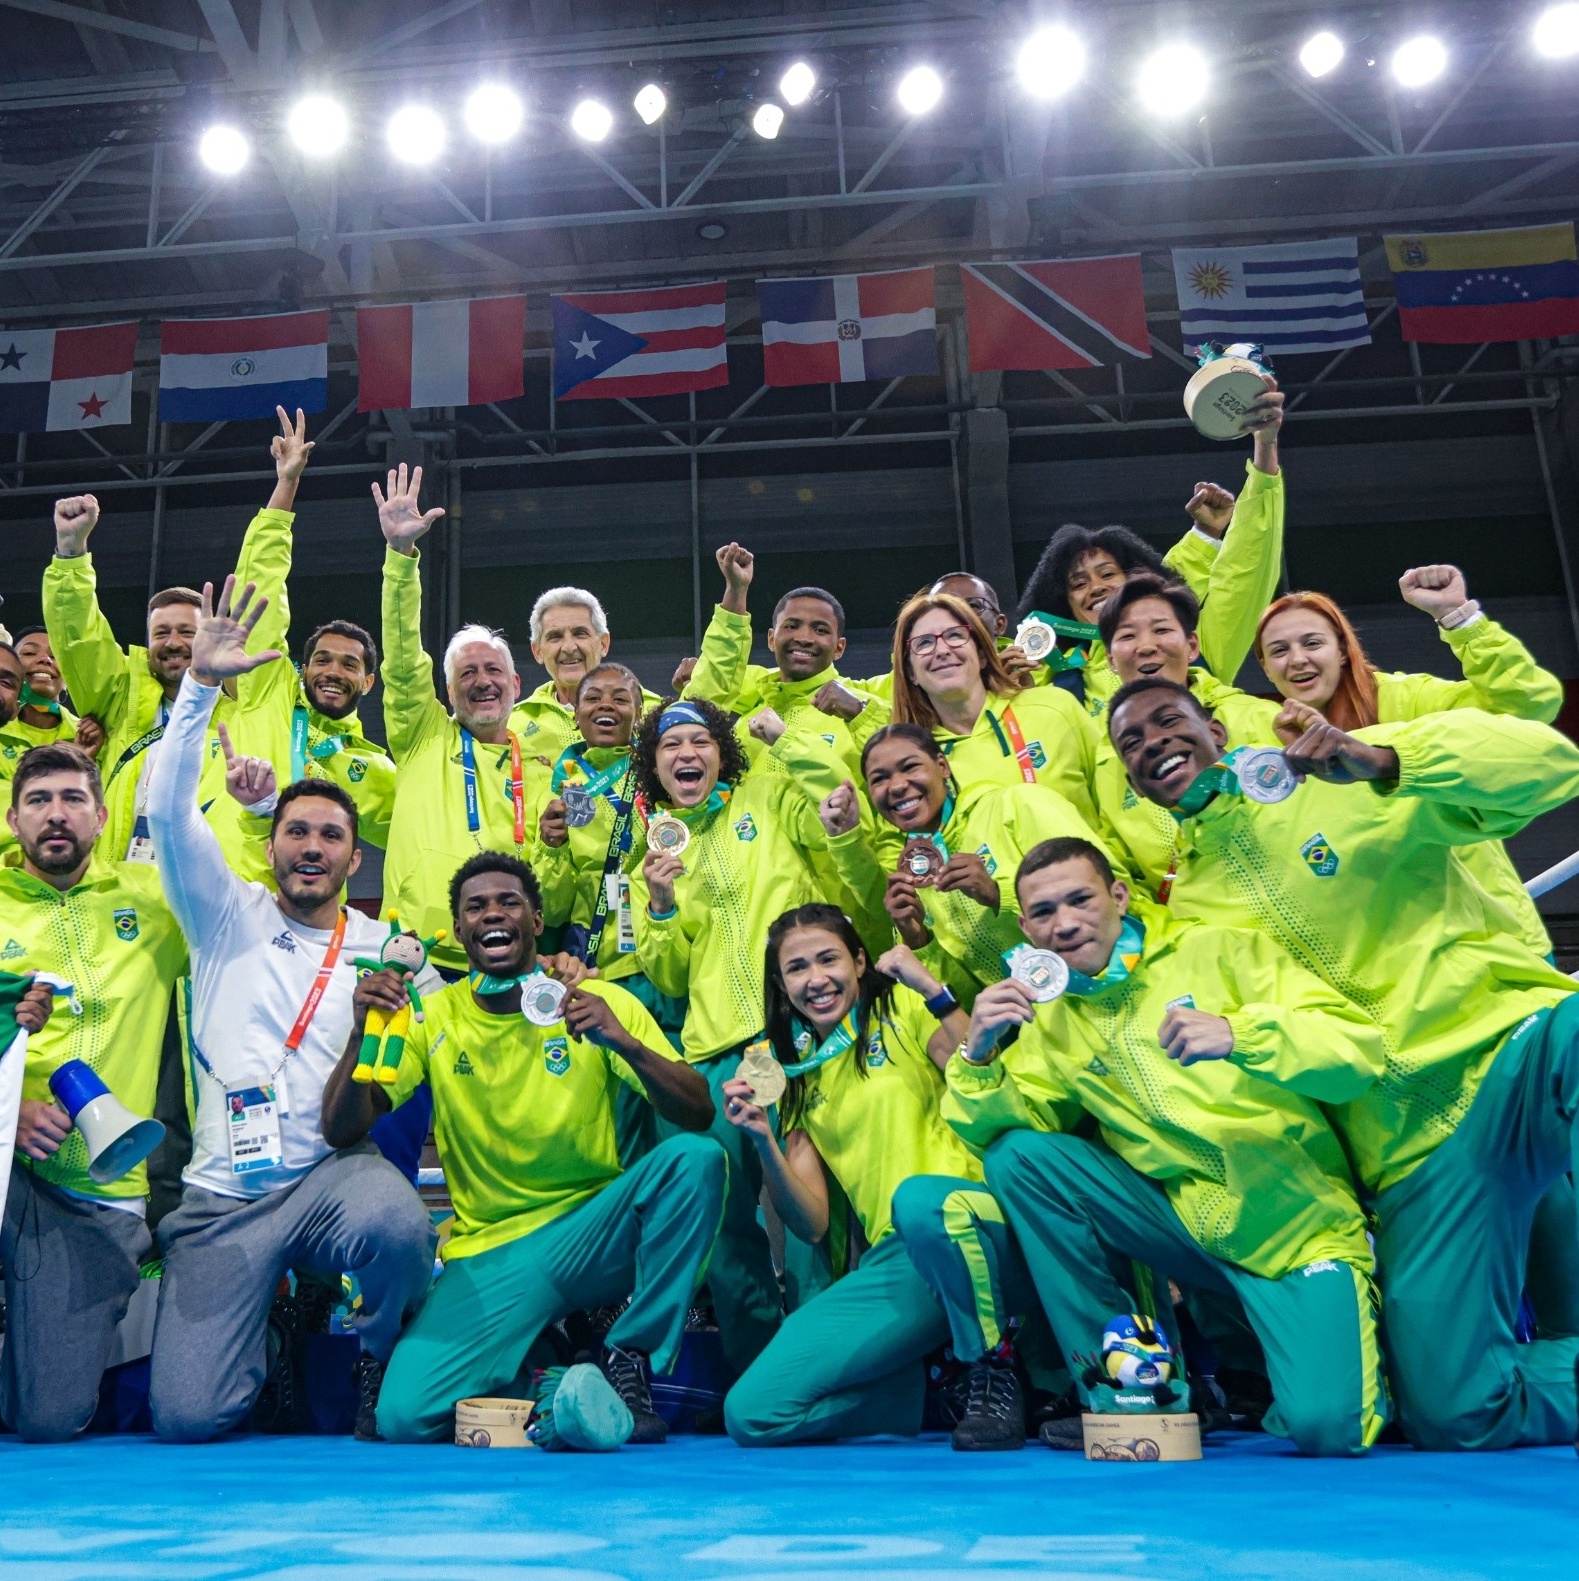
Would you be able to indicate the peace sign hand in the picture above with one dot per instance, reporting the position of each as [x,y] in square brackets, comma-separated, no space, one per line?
[291,446]
[399,514]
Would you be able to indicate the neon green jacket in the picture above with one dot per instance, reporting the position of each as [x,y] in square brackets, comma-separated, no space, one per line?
[114,685]
[428,833]
[745,867]
[1240,1145]
[15,739]
[547,726]
[116,941]
[1364,887]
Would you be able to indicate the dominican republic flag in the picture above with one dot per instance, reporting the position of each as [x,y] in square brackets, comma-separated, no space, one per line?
[846,327]
[66,378]
[1292,296]
[1068,313]
[634,343]
[219,369]
[440,353]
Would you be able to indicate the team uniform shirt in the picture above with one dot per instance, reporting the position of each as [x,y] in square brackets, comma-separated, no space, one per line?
[523,1115]
[253,969]
[547,726]
[876,1129]
[430,833]
[113,938]
[17,738]
[114,686]
[745,867]
[1363,886]
[1240,1145]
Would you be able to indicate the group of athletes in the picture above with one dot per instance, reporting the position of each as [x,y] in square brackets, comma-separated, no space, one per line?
[944,1012]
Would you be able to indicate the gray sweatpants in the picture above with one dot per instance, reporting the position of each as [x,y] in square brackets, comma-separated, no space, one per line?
[70,1271]
[225,1256]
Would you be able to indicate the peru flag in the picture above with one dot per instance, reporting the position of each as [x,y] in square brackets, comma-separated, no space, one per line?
[846,327]
[1068,313]
[440,353]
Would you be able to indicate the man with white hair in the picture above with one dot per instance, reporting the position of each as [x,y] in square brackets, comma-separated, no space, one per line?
[460,786]
[570,638]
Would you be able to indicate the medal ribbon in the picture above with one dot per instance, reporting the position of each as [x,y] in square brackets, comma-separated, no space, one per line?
[483,983]
[1022,753]
[301,751]
[1126,954]
[841,1038]
[1219,779]
[517,785]
[1077,630]
[717,800]
[31,699]
[314,994]
[597,782]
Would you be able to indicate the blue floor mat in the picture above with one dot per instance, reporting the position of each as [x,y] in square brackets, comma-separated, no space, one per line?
[315,1509]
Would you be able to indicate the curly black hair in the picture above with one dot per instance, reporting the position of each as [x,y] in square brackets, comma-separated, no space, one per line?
[644,749]
[1047,588]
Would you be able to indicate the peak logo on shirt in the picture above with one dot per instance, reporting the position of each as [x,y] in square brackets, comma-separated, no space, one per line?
[556,1056]
[1097,1068]
[531,728]
[280,941]
[1319,856]
[746,828]
[11,749]
[126,924]
[356,771]
[463,1066]
[13,951]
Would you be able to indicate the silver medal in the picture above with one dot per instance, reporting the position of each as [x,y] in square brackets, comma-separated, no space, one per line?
[542,1001]
[1035,639]
[1264,775]
[580,807]
[1043,973]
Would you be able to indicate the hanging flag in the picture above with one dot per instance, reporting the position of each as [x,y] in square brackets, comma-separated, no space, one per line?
[66,378]
[1064,313]
[636,343]
[440,353]
[1468,287]
[1288,297]
[220,369]
[846,327]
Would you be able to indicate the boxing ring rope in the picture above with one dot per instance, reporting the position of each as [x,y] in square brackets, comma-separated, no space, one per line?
[1553,876]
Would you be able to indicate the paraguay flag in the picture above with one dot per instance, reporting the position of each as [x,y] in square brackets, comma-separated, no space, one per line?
[846,327]
[66,378]
[639,343]
[221,369]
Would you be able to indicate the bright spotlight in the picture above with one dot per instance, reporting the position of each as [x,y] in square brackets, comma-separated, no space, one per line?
[318,125]
[224,150]
[494,113]
[1322,53]
[650,103]
[919,90]
[1173,80]
[591,121]
[1050,62]
[1419,60]
[767,121]
[1556,32]
[796,83]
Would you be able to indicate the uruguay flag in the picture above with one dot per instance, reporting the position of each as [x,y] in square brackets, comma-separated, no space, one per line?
[220,369]
[846,327]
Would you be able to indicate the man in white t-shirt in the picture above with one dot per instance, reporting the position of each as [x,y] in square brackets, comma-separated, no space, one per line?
[272,982]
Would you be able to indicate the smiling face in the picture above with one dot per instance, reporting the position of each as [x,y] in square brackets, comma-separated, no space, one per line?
[1068,908]
[940,654]
[38,665]
[497,925]
[805,639]
[1149,640]
[606,709]
[1092,580]
[312,852]
[687,764]
[171,629]
[981,598]
[907,784]
[483,686]
[569,647]
[10,686]
[1165,742]
[335,676]
[1301,656]
[56,820]
[822,980]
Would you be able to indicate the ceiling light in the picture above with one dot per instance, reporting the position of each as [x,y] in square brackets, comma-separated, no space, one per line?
[224,150]
[1556,32]
[919,90]
[416,135]
[1321,53]
[1173,80]
[494,113]
[318,125]
[1050,63]
[796,83]
[591,121]
[767,121]
[650,103]
[712,230]
[1419,60]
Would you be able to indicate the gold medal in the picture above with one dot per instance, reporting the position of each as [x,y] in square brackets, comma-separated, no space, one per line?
[764,1074]
[668,835]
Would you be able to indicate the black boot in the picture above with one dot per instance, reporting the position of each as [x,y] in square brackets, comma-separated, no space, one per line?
[369,1380]
[278,1408]
[626,1371]
[994,1409]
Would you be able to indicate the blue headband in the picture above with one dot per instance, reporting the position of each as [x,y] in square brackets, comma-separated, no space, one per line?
[681,714]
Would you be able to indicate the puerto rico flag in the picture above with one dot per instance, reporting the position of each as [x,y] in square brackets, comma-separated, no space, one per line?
[221,369]
[440,353]
[846,327]
[66,378]
[637,343]
[1069,313]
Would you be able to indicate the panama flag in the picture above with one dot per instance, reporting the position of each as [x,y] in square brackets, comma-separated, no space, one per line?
[846,327]
[440,353]
[636,343]
[221,369]
[66,378]
[1065,313]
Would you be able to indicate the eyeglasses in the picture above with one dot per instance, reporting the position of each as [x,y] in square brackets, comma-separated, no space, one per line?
[985,608]
[956,637]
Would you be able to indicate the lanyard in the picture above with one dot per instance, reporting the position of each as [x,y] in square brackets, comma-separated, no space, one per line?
[314,994]
[517,785]
[141,744]
[597,782]
[619,838]
[300,751]
[1165,888]
[1022,753]
[841,1038]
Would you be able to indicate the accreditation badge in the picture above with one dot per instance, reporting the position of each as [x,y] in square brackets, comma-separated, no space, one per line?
[252,1124]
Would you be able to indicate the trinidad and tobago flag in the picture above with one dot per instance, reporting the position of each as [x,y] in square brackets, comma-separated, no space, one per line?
[1067,313]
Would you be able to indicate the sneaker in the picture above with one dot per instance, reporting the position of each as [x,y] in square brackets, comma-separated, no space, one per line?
[626,1371]
[994,1410]
[277,1408]
[369,1380]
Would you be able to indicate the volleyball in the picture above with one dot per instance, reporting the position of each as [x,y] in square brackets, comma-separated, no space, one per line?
[1135,1352]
